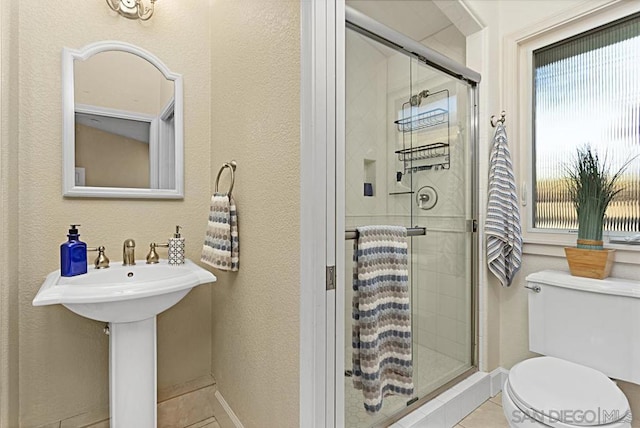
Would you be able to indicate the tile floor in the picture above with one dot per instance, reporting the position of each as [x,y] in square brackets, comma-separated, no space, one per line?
[207,423]
[488,415]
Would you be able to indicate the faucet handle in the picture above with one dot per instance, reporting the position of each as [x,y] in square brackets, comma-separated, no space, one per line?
[153,257]
[102,261]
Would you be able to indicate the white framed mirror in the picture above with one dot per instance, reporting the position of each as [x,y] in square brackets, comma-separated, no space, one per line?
[122,124]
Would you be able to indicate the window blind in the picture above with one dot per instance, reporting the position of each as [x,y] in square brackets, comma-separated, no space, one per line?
[587,91]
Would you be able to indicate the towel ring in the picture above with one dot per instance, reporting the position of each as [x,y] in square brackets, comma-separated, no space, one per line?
[232,168]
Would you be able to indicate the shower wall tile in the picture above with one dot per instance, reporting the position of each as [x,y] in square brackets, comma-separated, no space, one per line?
[463,310]
[463,333]
[447,327]
[431,323]
[447,346]
[430,340]
[365,125]
[376,88]
[430,264]
[451,264]
[432,303]
[447,285]
[447,306]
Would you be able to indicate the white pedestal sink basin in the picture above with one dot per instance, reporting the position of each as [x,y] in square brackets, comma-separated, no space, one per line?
[128,298]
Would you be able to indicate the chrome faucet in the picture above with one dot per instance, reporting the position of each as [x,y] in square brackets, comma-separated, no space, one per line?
[129,252]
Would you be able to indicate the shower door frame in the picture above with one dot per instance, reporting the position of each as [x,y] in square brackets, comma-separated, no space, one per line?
[322,204]
[372,29]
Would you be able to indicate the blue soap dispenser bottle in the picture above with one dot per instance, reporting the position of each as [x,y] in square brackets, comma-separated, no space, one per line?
[73,254]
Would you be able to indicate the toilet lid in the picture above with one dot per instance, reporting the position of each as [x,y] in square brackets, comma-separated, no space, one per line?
[567,393]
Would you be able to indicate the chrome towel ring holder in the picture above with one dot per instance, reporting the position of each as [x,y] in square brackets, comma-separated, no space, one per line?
[232,168]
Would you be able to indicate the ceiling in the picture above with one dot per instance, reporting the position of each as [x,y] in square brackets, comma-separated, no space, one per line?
[134,129]
[417,19]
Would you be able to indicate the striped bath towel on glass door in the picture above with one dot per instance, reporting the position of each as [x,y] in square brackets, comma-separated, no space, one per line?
[382,360]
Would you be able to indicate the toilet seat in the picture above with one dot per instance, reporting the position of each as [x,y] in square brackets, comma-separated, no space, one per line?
[563,394]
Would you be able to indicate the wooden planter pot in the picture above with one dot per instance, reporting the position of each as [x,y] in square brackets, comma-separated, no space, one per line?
[589,263]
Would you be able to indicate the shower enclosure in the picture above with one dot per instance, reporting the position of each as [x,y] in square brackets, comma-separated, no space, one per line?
[410,140]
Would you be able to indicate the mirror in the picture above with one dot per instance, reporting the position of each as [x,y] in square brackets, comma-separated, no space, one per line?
[123,124]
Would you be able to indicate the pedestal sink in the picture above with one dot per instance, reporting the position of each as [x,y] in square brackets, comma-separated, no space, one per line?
[128,298]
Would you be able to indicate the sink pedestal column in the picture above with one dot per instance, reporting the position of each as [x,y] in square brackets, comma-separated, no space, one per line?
[132,374]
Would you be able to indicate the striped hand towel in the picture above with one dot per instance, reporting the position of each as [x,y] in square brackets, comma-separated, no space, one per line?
[381,339]
[502,226]
[221,246]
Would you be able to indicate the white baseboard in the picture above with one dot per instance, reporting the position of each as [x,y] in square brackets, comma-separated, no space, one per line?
[498,378]
[453,405]
[231,417]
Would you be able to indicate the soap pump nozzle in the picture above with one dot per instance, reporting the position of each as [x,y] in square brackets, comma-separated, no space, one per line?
[177,234]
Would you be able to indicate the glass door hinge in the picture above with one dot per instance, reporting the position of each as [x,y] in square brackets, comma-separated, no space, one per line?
[331,278]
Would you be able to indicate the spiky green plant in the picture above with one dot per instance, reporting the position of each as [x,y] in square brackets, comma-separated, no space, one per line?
[592,187]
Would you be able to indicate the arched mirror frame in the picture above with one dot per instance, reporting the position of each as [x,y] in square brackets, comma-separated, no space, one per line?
[69,189]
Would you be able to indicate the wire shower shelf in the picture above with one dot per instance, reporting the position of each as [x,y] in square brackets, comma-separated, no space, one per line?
[431,156]
[423,120]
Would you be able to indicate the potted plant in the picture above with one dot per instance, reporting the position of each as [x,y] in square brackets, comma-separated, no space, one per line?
[592,187]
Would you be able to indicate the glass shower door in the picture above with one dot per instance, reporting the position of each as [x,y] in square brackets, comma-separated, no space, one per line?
[409,162]
[373,197]
[438,118]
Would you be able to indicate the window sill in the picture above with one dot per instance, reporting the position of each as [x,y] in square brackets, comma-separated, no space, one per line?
[624,253]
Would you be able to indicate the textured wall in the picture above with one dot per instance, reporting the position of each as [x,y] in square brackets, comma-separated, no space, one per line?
[511,17]
[8,216]
[503,18]
[63,357]
[111,160]
[255,101]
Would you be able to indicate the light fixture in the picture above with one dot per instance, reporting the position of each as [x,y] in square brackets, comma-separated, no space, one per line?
[132,9]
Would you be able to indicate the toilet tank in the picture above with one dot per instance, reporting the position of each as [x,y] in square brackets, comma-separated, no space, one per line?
[591,322]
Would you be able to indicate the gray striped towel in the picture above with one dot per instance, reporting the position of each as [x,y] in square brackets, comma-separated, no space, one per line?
[381,339]
[502,226]
[221,246]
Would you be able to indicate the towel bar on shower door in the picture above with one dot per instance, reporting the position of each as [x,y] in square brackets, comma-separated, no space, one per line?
[411,231]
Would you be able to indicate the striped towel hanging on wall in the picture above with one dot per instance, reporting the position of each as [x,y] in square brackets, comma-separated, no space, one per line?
[382,360]
[502,225]
[221,247]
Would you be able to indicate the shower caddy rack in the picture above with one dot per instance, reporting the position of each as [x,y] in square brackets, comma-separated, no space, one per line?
[432,156]
[436,155]
[423,120]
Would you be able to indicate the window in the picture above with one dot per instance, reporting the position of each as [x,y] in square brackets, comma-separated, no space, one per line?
[586,90]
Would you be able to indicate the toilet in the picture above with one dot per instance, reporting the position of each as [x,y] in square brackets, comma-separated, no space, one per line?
[588,333]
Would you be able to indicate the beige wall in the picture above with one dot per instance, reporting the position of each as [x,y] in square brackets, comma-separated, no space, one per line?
[255,97]
[9,385]
[63,362]
[503,18]
[111,160]
[251,78]
[510,325]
